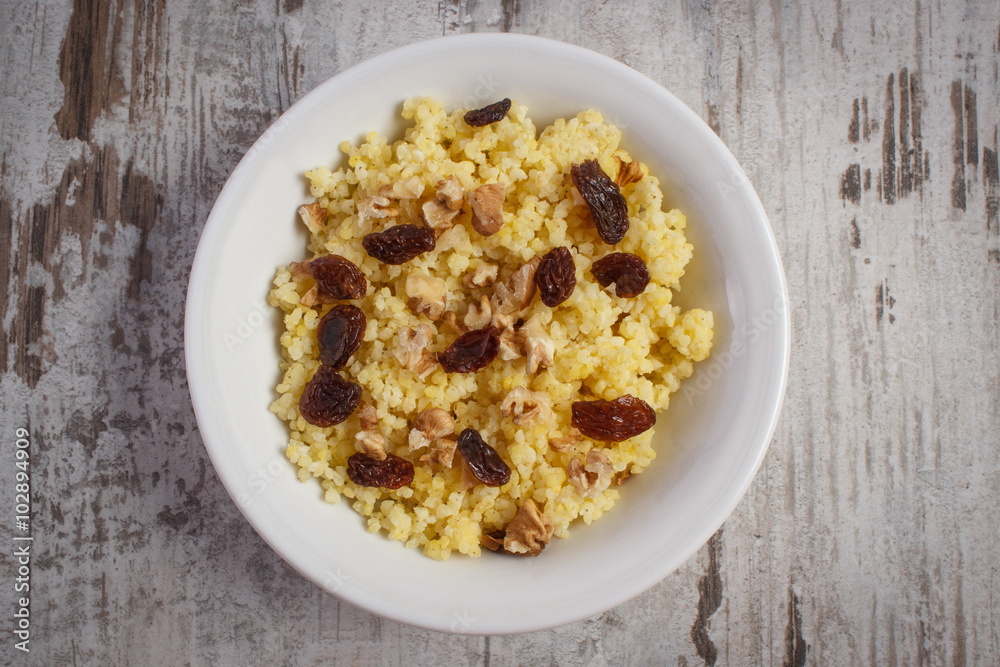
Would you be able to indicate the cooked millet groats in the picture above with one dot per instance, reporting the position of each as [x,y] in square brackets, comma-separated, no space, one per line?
[594,345]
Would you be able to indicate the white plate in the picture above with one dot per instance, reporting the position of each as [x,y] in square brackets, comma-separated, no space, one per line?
[710,442]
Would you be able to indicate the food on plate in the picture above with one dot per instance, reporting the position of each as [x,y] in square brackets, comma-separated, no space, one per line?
[477,345]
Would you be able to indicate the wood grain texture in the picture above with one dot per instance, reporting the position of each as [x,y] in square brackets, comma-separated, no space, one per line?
[871,135]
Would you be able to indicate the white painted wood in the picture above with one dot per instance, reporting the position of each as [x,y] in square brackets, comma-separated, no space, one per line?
[868,536]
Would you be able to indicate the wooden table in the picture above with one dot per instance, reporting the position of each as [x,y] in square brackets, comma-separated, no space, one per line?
[869,535]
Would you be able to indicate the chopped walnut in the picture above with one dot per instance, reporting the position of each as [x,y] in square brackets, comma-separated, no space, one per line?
[438,216]
[487,208]
[373,208]
[451,193]
[484,275]
[451,319]
[592,478]
[443,453]
[621,477]
[411,349]
[536,345]
[492,541]
[313,296]
[628,172]
[529,531]
[409,188]
[428,426]
[314,217]
[566,443]
[479,316]
[526,407]
[515,293]
[510,340]
[369,418]
[468,480]
[371,441]
[427,295]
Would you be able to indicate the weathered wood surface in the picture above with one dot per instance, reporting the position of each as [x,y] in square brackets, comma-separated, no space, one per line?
[869,535]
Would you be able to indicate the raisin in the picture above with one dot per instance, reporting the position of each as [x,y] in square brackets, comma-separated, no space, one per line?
[339,335]
[399,244]
[613,421]
[489,114]
[556,276]
[392,473]
[338,278]
[483,461]
[604,199]
[627,271]
[328,399]
[471,351]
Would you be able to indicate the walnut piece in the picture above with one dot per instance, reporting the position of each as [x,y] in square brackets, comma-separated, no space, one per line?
[566,443]
[313,296]
[592,478]
[441,212]
[451,193]
[428,295]
[510,340]
[468,480]
[628,172]
[443,453]
[479,316]
[529,531]
[411,349]
[451,319]
[487,208]
[374,208]
[369,418]
[438,216]
[492,541]
[514,294]
[371,441]
[484,275]
[621,477]
[536,344]
[314,217]
[409,188]
[428,426]
[526,407]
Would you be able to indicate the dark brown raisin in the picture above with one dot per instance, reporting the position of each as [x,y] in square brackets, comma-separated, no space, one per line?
[604,199]
[328,399]
[613,421]
[338,278]
[471,351]
[483,461]
[392,473]
[556,276]
[399,244]
[489,114]
[627,271]
[339,334]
